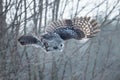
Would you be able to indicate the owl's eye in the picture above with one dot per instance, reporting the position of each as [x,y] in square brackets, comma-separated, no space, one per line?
[61,45]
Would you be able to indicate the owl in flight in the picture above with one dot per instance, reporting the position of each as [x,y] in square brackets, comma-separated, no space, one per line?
[57,32]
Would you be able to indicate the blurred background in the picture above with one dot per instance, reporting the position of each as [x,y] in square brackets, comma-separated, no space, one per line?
[96,59]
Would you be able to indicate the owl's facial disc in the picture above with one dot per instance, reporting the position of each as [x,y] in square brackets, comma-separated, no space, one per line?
[55,48]
[59,47]
[54,43]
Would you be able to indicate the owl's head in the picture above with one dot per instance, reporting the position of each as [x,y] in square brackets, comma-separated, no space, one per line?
[52,42]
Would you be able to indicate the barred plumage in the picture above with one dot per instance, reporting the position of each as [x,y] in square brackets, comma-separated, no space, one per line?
[59,31]
[89,26]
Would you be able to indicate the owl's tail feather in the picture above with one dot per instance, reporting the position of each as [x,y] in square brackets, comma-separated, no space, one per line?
[89,26]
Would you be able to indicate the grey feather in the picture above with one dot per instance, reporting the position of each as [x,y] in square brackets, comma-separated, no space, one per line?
[75,27]
[59,31]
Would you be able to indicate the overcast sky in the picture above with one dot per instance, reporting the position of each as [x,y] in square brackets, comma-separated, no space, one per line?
[90,4]
[71,9]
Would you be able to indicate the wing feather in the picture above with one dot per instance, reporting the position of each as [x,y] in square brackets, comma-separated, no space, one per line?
[77,26]
[30,40]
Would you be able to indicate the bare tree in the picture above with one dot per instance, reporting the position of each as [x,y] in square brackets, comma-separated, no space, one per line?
[96,59]
[3,46]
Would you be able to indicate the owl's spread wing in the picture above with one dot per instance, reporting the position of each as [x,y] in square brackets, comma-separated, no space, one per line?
[69,33]
[27,40]
[30,40]
[76,28]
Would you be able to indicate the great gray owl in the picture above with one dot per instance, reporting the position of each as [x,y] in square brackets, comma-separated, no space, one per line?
[59,31]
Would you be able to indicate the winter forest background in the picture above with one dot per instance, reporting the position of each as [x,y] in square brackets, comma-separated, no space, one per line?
[97,59]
